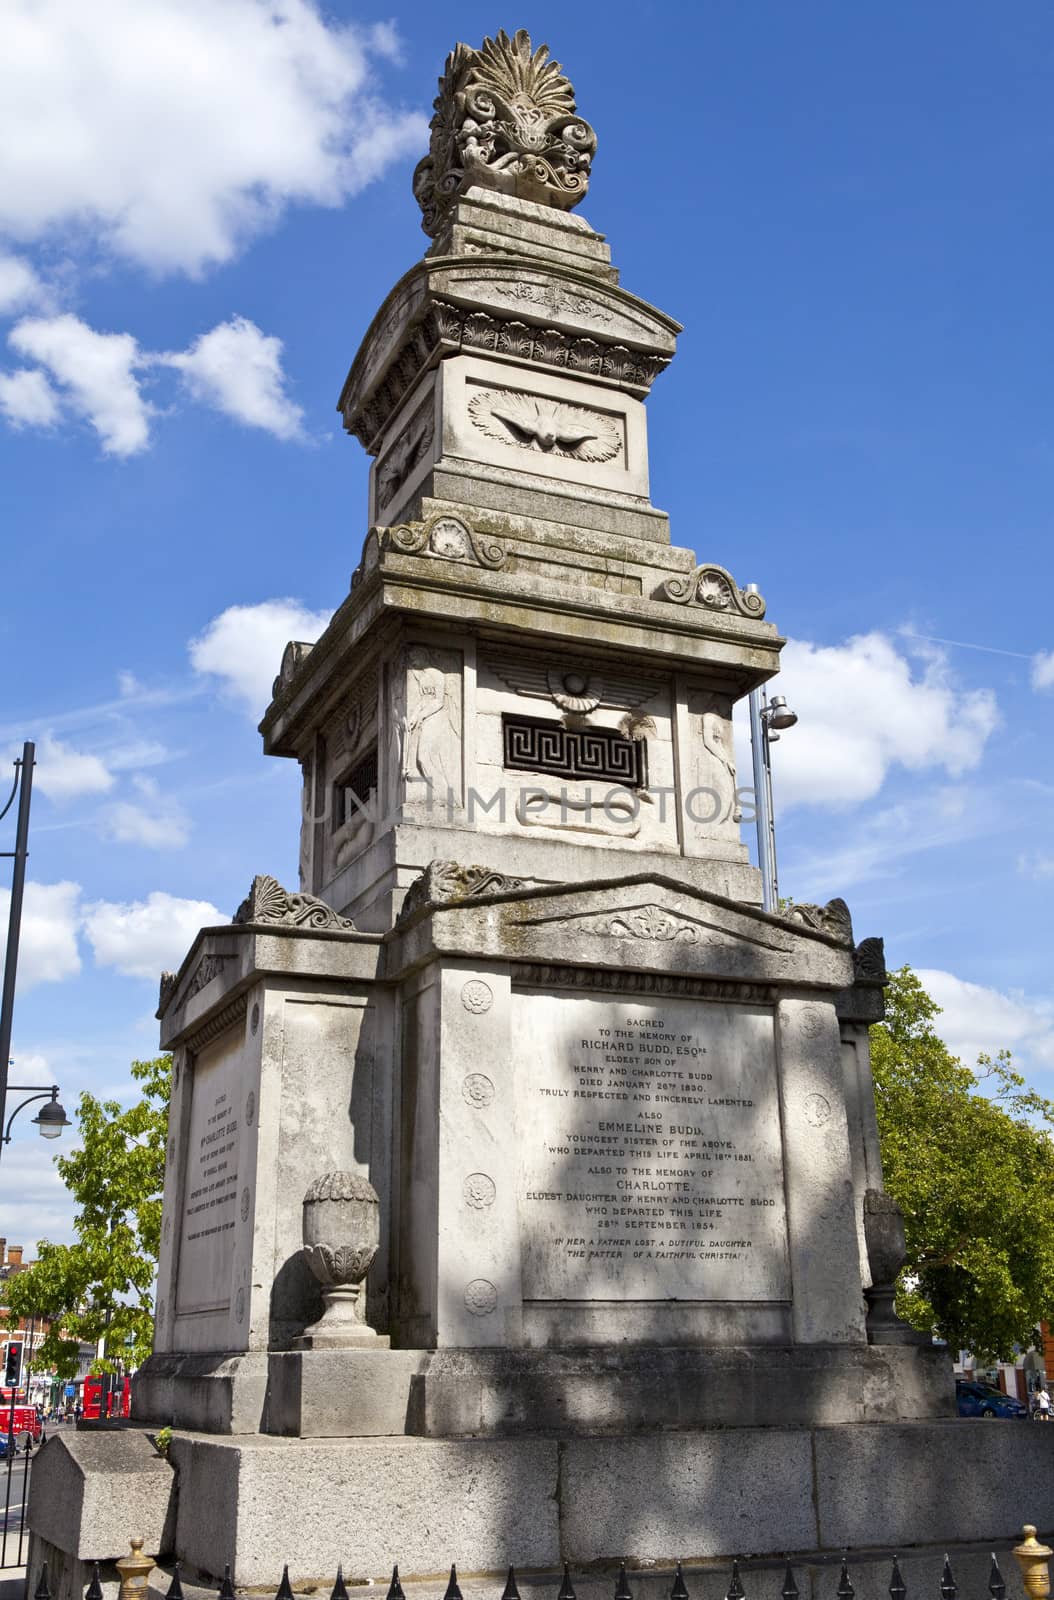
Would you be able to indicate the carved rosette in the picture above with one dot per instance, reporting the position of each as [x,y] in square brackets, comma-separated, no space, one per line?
[341,1234]
[714,589]
[504,119]
[267,902]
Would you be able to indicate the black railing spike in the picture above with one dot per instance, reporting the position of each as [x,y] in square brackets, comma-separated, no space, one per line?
[845,1590]
[679,1591]
[735,1588]
[567,1588]
[622,1588]
[996,1581]
[949,1587]
[227,1587]
[94,1589]
[790,1588]
[340,1588]
[42,1590]
[510,1591]
[395,1588]
[452,1590]
[897,1587]
[285,1588]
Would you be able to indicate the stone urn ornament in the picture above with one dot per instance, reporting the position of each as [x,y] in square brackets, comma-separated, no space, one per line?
[341,1232]
[884,1237]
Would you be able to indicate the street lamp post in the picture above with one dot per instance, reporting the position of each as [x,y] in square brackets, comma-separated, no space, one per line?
[766,719]
[23,786]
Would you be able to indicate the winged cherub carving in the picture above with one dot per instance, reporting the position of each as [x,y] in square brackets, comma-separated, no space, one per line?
[546,425]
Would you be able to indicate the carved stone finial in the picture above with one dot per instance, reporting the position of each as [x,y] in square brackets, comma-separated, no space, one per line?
[884,1238]
[504,119]
[833,919]
[267,901]
[342,1233]
[166,991]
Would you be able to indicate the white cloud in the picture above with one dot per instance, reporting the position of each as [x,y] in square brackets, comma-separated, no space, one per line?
[128,684]
[176,129]
[47,950]
[1032,864]
[157,823]
[142,938]
[977,1019]
[63,773]
[864,708]
[237,369]
[19,285]
[27,399]
[243,646]
[1043,670]
[97,373]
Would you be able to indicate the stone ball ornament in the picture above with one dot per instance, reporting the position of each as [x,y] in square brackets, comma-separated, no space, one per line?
[341,1234]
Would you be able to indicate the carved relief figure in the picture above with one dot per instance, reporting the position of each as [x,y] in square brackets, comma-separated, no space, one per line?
[305,823]
[429,730]
[712,768]
[537,423]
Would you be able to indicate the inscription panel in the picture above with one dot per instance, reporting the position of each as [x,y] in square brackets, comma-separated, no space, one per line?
[210,1185]
[651,1164]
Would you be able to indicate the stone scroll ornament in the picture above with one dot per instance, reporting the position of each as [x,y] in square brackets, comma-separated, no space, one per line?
[715,590]
[446,882]
[833,919]
[267,901]
[504,119]
[341,1233]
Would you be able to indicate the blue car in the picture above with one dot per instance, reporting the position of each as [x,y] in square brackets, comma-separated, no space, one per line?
[984,1400]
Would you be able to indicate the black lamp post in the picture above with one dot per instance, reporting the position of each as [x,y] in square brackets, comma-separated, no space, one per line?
[50,1119]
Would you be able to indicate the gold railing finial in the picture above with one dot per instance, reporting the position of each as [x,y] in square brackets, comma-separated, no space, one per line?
[135,1572]
[1032,1557]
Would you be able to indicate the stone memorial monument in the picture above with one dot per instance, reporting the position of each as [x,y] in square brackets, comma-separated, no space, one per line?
[523,1196]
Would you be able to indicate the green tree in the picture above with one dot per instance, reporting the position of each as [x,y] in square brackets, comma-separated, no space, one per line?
[101,1287]
[968,1155]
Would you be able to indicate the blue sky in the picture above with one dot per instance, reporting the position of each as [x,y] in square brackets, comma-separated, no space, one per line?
[202,204]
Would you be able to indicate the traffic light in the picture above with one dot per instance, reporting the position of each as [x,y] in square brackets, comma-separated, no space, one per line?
[13,1364]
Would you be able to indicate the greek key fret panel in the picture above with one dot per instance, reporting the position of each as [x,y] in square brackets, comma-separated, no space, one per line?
[531,744]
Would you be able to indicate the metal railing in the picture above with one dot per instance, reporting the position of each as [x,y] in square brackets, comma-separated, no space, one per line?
[1031,1556]
[14,1535]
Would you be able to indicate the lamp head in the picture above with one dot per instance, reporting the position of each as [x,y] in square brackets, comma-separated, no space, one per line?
[51,1119]
[780,715]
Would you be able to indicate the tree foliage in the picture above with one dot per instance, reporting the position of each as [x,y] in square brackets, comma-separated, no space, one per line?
[968,1155]
[102,1286]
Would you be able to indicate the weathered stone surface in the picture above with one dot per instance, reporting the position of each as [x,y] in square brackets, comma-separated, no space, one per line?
[87,1490]
[214,1393]
[616,1391]
[331,1394]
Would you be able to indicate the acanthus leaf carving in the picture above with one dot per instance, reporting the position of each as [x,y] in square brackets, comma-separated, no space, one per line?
[833,919]
[651,923]
[446,882]
[504,119]
[714,589]
[268,902]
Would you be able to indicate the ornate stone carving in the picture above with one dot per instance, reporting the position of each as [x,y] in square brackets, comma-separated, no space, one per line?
[504,119]
[398,462]
[342,1232]
[713,768]
[445,882]
[446,538]
[267,901]
[481,1297]
[714,589]
[294,655]
[886,1250]
[208,967]
[651,923]
[426,725]
[477,1090]
[832,919]
[250,1109]
[575,685]
[869,961]
[551,426]
[455,327]
[166,991]
[817,1110]
[479,1191]
[476,996]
